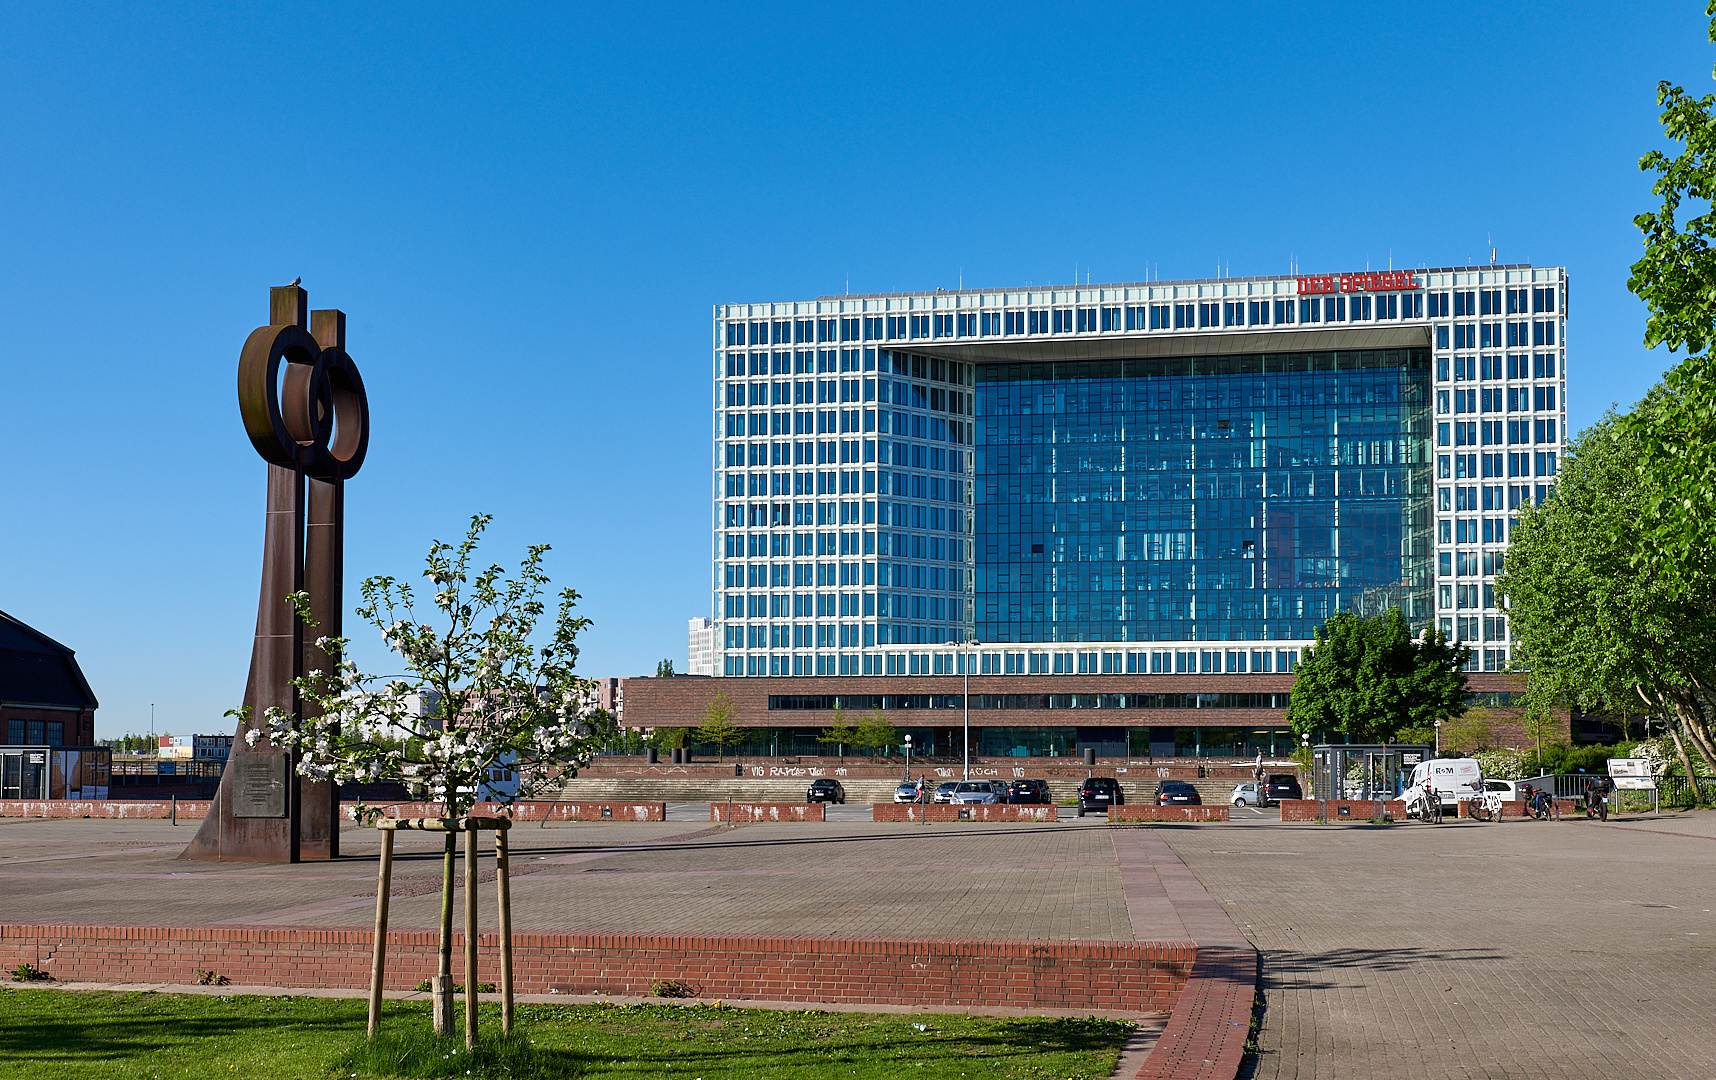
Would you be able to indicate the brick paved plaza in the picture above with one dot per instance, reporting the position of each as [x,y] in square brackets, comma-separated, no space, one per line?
[1559,950]
[1518,949]
[835,879]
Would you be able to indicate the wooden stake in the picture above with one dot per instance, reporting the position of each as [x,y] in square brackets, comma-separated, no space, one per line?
[470,934]
[503,889]
[384,882]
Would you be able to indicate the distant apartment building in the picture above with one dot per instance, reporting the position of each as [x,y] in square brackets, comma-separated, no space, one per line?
[700,649]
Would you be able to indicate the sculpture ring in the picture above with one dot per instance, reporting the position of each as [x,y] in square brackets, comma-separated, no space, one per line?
[312,414]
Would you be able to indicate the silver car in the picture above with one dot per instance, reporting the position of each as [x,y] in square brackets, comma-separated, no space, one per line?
[944,792]
[907,792]
[976,791]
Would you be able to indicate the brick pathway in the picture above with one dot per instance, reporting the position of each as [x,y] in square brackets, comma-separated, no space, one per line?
[1520,949]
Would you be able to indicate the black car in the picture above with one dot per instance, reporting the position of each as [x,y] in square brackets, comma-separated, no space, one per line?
[1099,793]
[1177,793]
[1283,786]
[825,791]
[1033,792]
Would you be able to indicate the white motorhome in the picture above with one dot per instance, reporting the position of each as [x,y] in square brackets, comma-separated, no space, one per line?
[1451,778]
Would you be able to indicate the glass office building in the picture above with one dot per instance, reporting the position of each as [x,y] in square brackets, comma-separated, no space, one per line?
[1147,478]
[1210,498]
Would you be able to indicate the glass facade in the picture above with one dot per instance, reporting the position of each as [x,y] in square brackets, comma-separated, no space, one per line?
[1166,463]
[1228,498]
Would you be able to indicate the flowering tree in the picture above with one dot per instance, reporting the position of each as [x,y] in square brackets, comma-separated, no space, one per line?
[475,694]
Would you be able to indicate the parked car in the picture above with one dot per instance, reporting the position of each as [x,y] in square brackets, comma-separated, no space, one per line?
[1282,786]
[908,792]
[825,790]
[987,792]
[1508,789]
[1099,793]
[1249,793]
[944,791]
[1034,792]
[1177,793]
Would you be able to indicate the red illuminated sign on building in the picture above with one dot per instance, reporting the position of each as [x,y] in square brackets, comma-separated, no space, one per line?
[1371,281]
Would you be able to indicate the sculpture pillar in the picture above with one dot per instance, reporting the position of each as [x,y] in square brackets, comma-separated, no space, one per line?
[304,408]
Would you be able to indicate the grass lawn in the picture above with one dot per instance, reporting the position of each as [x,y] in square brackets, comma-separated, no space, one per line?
[51,1034]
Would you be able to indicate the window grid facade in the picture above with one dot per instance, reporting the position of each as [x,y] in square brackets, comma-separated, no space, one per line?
[849,507]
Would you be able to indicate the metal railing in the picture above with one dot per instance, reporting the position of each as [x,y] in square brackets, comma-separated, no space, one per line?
[1677,790]
[1561,785]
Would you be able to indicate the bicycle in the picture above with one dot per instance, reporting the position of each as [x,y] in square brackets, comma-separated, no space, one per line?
[1427,807]
[1485,807]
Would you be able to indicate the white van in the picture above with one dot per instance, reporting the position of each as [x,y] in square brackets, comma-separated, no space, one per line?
[1451,778]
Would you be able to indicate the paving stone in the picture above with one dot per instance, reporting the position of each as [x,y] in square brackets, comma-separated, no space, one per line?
[1560,950]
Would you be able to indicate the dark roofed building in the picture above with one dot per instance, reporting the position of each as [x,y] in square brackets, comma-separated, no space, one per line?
[44,698]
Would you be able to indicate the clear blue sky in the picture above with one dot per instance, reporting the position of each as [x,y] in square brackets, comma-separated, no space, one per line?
[527,214]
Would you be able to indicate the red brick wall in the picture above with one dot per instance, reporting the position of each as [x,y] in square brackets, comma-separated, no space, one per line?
[742,812]
[946,812]
[189,809]
[1122,975]
[1357,809]
[197,808]
[532,811]
[1516,807]
[1146,812]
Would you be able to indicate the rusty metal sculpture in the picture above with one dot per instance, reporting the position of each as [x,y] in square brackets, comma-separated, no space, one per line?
[305,411]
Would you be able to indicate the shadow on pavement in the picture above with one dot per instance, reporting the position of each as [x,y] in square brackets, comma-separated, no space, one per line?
[1303,966]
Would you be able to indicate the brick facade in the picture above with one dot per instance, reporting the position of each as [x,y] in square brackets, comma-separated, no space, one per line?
[682,701]
[78,730]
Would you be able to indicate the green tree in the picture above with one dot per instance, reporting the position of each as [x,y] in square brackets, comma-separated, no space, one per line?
[839,733]
[1599,630]
[668,738]
[664,669]
[1541,726]
[603,730]
[1670,540]
[876,731]
[1369,679]
[1469,732]
[718,728]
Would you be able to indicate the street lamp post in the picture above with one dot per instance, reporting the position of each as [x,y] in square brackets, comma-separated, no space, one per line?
[966,654]
[908,757]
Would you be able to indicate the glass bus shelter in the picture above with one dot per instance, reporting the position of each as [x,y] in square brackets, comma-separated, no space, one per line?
[1364,770]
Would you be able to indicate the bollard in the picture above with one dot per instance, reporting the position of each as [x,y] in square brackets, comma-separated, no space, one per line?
[1090,755]
[175,811]
[652,756]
